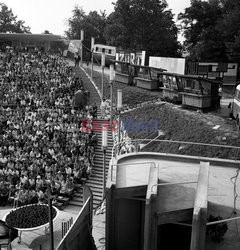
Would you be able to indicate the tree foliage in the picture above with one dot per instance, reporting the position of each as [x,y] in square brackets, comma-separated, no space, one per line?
[9,22]
[93,25]
[212,30]
[143,25]
[134,24]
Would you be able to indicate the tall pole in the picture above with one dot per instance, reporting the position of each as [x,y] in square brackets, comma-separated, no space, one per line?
[92,49]
[81,44]
[111,107]
[119,107]
[103,65]
[119,130]
[50,218]
[111,90]
[102,80]
[104,172]
[104,148]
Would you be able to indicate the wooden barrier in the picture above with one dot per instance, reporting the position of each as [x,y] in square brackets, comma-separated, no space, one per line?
[200,209]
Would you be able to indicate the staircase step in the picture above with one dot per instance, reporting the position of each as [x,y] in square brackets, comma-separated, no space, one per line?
[76,203]
[96,179]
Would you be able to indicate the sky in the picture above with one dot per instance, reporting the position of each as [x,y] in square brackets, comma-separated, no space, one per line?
[52,15]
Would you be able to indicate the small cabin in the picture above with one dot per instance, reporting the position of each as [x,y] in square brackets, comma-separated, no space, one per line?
[109,51]
[148,77]
[124,72]
[199,92]
[171,86]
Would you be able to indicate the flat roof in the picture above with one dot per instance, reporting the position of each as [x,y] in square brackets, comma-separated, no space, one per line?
[31,37]
[134,171]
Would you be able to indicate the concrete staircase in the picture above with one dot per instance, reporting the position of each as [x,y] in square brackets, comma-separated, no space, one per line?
[95,182]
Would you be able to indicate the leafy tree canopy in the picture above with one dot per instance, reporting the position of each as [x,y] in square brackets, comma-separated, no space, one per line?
[93,25]
[134,24]
[212,30]
[9,22]
[143,25]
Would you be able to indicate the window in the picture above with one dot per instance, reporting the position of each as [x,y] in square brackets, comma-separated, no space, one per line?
[237,95]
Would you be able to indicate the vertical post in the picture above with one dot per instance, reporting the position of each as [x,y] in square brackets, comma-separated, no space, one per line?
[103,65]
[111,90]
[119,131]
[104,147]
[199,220]
[81,44]
[50,218]
[92,49]
[111,108]
[104,172]
[119,107]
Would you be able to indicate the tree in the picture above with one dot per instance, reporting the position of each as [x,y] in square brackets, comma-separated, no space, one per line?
[9,22]
[200,23]
[143,25]
[76,23]
[230,28]
[115,32]
[47,32]
[93,25]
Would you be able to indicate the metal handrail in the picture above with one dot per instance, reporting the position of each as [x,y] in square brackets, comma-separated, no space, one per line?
[128,164]
[173,141]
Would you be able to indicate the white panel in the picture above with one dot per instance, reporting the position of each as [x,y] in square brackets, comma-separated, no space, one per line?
[173,65]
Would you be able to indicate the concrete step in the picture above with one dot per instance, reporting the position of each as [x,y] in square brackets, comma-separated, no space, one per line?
[95,180]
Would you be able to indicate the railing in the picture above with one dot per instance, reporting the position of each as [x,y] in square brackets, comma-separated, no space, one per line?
[135,143]
[66,225]
[113,167]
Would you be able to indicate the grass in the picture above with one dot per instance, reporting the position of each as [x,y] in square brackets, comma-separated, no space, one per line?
[177,125]
[173,122]
[131,95]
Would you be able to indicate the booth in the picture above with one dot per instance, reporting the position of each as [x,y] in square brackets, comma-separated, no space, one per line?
[148,77]
[171,86]
[124,72]
[200,93]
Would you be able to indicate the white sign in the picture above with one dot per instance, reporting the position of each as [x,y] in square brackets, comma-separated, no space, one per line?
[103,59]
[172,65]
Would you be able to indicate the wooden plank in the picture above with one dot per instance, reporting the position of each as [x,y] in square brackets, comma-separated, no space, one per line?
[200,209]
[175,216]
[150,225]
[129,192]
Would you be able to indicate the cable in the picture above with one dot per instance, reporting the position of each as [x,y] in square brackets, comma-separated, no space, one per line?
[86,47]
[235,194]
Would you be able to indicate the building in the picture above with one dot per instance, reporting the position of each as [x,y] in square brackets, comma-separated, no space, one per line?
[31,41]
[163,201]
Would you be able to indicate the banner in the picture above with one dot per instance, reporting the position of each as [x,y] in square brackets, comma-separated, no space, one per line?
[74,46]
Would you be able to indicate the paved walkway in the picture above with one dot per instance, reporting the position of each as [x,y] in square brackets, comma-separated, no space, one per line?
[37,238]
[34,239]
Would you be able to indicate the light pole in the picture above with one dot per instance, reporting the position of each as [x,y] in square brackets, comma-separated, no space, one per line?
[103,65]
[81,44]
[111,90]
[92,49]
[104,148]
[119,107]
[50,217]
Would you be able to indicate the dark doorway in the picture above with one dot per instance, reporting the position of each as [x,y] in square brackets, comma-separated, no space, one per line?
[172,237]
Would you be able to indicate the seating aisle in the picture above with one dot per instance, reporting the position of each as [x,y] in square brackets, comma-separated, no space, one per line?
[95,182]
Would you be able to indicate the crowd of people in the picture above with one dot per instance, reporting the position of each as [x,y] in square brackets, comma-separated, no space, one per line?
[42,140]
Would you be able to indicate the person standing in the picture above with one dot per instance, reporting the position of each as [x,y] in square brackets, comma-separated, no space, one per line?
[219,95]
[103,108]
